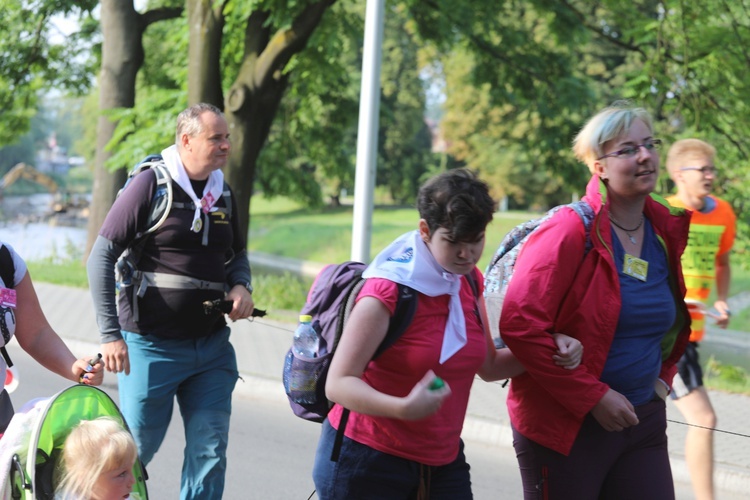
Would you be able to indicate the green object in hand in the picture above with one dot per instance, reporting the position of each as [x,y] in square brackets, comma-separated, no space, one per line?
[437,383]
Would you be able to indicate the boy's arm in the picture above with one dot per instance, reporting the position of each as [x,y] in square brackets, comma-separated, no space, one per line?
[723,276]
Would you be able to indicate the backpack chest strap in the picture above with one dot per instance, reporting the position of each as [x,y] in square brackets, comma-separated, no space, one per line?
[164,280]
[142,280]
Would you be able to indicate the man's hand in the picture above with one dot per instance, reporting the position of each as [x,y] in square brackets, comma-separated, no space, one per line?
[115,357]
[242,301]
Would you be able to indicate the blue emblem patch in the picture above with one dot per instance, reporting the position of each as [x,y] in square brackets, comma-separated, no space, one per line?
[405,257]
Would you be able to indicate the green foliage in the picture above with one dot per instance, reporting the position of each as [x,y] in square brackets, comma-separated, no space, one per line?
[34,56]
[282,295]
[691,70]
[65,268]
[404,140]
[145,129]
[311,146]
[514,92]
[726,377]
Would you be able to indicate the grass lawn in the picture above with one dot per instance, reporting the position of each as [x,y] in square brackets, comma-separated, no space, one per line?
[282,228]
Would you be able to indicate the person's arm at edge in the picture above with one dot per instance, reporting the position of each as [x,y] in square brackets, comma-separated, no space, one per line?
[723,278]
[499,363]
[36,337]
[502,364]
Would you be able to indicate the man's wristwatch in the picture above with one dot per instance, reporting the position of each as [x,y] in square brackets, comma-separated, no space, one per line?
[248,287]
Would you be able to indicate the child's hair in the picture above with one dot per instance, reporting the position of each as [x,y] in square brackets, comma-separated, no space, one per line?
[684,148]
[457,201]
[92,448]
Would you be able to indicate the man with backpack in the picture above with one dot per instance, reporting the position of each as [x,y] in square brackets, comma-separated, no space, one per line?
[164,344]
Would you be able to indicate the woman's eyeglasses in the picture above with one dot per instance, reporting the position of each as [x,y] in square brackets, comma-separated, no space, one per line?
[630,151]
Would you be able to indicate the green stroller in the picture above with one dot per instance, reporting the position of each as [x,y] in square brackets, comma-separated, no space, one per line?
[31,445]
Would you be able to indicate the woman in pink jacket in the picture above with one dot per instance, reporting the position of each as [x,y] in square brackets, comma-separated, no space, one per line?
[599,431]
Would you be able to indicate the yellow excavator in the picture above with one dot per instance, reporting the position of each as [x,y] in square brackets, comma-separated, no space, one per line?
[25,171]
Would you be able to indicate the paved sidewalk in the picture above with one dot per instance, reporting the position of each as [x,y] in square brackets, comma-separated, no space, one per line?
[262,344]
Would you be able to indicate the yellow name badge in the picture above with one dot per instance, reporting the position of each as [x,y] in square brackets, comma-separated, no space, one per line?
[635,267]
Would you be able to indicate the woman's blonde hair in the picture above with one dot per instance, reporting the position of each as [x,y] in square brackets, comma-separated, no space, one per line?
[92,448]
[610,123]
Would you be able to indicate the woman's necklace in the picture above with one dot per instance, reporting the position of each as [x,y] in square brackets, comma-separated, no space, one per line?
[628,231]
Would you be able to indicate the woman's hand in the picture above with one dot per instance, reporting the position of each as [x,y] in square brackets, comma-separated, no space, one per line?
[614,412]
[89,374]
[569,351]
[423,401]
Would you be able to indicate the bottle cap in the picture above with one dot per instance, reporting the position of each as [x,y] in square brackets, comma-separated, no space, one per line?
[305,318]
[437,383]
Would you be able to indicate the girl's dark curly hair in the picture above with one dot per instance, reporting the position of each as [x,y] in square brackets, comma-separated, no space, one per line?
[459,202]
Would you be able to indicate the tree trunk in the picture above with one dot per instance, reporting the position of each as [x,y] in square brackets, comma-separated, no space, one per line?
[122,57]
[249,114]
[255,95]
[206,24]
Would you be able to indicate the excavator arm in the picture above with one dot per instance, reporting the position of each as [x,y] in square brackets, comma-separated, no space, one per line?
[24,171]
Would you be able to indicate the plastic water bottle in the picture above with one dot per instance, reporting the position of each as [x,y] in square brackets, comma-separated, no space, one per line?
[305,338]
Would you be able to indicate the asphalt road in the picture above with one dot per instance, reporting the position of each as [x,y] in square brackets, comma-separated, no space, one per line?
[271,451]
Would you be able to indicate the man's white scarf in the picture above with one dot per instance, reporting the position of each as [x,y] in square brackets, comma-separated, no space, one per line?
[409,262]
[211,192]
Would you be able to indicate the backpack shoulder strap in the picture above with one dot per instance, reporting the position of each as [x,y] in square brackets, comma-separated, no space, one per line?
[402,317]
[7,267]
[586,213]
[163,198]
[7,273]
[227,195]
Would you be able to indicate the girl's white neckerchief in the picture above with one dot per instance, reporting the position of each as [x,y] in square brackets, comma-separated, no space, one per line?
[408,261]
[211,192]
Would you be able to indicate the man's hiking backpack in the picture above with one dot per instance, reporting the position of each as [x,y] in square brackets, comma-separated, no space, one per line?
[162,203]
[329,302]
[500,269]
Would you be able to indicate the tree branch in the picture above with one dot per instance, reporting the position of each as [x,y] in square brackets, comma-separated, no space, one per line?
[161,14]
[486,46]
[287,42]
[585,23]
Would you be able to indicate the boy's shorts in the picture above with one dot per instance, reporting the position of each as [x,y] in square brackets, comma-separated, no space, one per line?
[689,373]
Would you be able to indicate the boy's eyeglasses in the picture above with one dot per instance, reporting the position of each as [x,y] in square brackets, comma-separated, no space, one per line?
[630,151]
[708,169]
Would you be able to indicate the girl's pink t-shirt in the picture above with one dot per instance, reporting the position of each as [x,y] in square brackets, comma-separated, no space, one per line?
[435,439]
